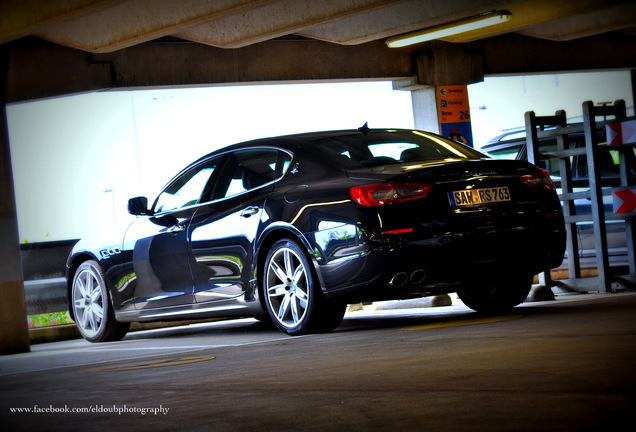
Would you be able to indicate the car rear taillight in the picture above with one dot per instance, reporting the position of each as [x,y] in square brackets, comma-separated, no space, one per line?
[388,193]
[539,179]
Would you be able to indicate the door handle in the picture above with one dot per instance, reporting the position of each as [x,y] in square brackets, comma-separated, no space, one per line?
[250,211]
[176,229]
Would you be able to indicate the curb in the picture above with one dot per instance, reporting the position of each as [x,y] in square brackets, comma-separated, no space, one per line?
[53,334]
[423,302]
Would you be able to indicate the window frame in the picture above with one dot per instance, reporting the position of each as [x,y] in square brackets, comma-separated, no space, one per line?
[280,169]
[185,172]
[206,196]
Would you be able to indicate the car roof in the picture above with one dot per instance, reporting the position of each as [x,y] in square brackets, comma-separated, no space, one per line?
[518,136]
[294,141]
[512,135]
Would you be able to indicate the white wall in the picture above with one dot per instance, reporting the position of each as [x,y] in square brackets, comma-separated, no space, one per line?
[65,153]
[77,159]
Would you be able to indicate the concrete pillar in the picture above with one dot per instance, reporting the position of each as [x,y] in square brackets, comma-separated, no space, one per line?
[425,112]
[424,102]
[14,334]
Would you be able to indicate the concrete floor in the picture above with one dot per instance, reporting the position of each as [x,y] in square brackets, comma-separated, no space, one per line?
[568,364]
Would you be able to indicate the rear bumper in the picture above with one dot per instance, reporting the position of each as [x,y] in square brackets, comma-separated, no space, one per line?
[395,267]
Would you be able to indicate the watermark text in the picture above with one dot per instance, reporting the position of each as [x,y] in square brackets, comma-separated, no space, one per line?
[91,409]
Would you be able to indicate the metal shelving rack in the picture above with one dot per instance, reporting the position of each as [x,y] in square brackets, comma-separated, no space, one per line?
[594,190]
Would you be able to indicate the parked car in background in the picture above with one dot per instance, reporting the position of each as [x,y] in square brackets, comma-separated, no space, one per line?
[512,146]
[294,228]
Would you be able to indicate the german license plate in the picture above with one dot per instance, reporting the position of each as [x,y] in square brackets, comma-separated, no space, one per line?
[473,197]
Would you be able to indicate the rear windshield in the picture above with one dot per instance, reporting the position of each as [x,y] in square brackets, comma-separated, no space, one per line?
[394,147]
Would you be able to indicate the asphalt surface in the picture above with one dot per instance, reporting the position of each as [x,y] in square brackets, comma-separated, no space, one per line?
[562,365]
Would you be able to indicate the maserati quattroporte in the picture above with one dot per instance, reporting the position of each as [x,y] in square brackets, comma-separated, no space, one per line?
[292,229]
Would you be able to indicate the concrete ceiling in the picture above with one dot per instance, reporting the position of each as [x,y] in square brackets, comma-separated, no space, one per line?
[104,26]
[51,48]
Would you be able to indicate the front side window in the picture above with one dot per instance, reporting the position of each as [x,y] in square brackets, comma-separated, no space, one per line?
[186,190]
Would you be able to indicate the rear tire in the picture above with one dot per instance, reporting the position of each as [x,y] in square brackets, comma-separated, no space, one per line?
[496,295]
[294,300]
[91,305]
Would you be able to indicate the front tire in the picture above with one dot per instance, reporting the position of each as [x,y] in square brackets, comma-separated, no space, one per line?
[92,308]
[293,298]
[498,294]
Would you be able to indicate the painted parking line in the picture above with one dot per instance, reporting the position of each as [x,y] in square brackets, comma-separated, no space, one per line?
[464,322]
[149,364]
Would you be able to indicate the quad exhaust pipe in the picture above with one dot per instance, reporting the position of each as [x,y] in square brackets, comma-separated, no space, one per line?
[401,278]
[418,276]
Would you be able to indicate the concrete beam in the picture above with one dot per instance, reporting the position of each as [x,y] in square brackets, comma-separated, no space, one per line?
[397,18]
[130,23]
[273,20]
[617,17]
[514,54]
[39,69]
[192,64]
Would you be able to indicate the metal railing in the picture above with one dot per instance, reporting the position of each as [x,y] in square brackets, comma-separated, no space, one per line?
[593,191]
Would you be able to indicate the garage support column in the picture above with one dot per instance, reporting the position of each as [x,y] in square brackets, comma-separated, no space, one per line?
[424,102]
[14,334]
[425,113]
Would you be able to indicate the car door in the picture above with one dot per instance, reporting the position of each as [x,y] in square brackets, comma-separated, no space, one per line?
[224,230]
[160,245]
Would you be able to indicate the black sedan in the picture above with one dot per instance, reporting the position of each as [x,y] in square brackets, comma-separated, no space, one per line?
[292,229]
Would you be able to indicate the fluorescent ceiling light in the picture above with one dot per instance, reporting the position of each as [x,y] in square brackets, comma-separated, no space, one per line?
[480,21]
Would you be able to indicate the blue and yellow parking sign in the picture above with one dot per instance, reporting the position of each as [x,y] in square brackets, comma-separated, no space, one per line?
[454,113]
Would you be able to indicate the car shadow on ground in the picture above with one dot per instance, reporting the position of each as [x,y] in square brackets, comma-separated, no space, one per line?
[370,319]
[352,322]
[228,327]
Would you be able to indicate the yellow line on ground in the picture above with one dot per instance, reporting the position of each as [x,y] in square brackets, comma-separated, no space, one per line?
[147,364]
[464,322]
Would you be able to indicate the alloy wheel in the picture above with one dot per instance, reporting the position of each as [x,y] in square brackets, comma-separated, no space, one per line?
[88,302]
[287,287]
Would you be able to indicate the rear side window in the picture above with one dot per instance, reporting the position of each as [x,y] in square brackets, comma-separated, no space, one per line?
[245,170]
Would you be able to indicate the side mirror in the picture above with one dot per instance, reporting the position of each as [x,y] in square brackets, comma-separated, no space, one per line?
[138,206]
